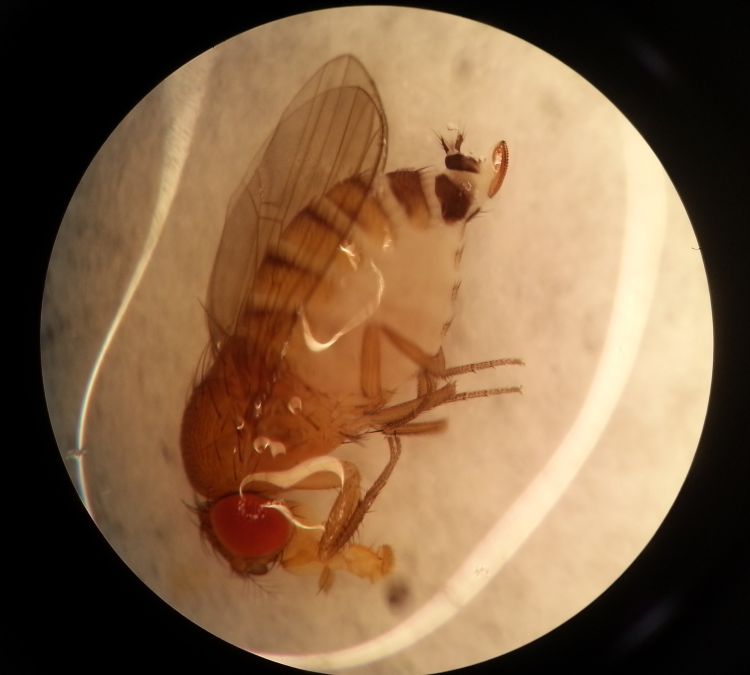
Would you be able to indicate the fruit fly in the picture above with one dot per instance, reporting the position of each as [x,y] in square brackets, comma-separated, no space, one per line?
[321,304]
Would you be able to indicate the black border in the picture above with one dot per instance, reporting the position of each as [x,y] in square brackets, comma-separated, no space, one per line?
[678,72]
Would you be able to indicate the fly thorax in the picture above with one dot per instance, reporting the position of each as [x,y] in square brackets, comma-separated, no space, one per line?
[276,429]
[294,422]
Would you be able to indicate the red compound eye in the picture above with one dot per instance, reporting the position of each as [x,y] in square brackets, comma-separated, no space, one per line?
[247,530]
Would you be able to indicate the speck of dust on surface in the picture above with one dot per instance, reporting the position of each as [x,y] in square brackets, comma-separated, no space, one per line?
[398,594]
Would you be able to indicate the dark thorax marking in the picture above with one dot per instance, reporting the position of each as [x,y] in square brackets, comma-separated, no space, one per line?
[459,162]
[454,202]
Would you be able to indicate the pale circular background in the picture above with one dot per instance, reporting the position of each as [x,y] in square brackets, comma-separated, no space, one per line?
[586,266]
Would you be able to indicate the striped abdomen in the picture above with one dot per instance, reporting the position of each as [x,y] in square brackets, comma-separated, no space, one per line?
[398,266]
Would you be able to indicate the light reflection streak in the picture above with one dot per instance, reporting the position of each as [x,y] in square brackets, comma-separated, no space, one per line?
[314,345]
[185,100]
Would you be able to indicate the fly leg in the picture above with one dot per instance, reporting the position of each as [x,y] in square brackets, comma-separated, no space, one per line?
[370,381]
[349,508]
[370,377]
[398,418]
[433,366]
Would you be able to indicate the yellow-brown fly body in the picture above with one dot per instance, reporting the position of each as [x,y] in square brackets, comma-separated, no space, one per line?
[321,306]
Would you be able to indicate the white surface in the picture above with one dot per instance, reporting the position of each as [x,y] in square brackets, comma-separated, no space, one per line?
[540,281]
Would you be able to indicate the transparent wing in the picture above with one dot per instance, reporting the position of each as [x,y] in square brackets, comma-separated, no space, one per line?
[333,129]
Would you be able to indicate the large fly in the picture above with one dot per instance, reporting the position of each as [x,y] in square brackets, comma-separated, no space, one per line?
[317,315]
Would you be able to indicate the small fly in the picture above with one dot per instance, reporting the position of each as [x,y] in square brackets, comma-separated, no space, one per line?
[332,287]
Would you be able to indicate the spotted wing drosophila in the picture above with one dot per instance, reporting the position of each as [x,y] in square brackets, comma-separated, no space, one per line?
[317,314]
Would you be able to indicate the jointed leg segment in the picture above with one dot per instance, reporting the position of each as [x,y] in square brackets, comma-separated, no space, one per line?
[349,510]
[398,418]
